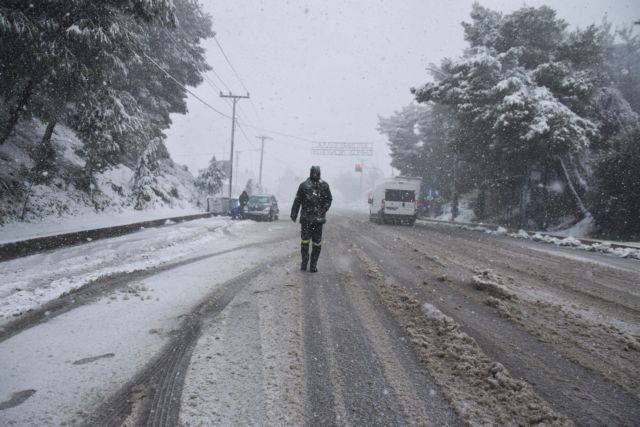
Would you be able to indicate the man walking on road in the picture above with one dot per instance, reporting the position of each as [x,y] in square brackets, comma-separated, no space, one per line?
[313,200]
[243,199]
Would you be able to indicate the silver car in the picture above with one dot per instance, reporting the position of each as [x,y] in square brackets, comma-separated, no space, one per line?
[262,207]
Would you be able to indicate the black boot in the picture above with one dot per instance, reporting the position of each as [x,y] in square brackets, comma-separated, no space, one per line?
[315,254]
[304,250]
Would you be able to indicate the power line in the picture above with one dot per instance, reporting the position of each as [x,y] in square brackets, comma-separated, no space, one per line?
[244,134]
[214,86]
[235,99]
[220,79]
[262,129]
[230,64]
[279,133]
[184,87]
[255,110]
[262,137]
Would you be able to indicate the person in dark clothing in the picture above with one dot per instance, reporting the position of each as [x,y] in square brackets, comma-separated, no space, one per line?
[243,200]
[313,200]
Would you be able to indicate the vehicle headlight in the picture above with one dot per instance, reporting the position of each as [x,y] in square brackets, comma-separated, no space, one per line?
[266,210]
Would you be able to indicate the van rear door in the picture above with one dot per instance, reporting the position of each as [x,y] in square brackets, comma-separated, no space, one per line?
[400,202]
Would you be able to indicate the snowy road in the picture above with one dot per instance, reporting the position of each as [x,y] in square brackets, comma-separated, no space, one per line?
[212,323]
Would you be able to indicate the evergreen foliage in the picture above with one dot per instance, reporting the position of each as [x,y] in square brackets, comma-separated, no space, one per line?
[144,177]
[210,180]
[529,104]
[616,192]
[88,65]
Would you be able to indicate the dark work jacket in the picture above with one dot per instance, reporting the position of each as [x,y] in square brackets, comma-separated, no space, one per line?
[244,198]
[313,200]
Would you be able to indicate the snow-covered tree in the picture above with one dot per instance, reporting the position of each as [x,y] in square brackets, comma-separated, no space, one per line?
[52,52]
[524,98]
[422,141]
[616,188]
[405,141]
[250,187]
[210,179]
[145,175]
[623,65]
[99,68]
[176,50]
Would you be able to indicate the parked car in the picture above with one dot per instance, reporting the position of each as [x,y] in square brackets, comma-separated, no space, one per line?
[262,207]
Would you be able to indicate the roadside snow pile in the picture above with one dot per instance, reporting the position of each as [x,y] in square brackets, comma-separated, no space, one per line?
[603,247]
[582,228]
[569,241]
[433,313]
[50,226]
[487,280]
[482,391]
[501,231]
[465,209]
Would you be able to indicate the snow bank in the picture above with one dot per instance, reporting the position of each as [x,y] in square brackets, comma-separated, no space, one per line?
[465,209]
[88,221]
[570,241]
[62,202]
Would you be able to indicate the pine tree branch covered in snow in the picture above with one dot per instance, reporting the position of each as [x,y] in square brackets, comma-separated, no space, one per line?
[85,65]
[530,106]
[252,187]
[616,193]
[144,178]
[209,180]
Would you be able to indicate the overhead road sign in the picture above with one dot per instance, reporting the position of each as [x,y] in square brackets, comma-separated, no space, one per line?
[357,149]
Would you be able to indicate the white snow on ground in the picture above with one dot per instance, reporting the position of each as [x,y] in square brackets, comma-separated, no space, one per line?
[583,228]
[31,281]
[603,247]
[569,241]
[465,210]
[358,206]
[25,230]
[127,327]
[252,352]
[65,195]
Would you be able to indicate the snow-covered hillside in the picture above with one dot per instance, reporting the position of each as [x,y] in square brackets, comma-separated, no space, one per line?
[67,193]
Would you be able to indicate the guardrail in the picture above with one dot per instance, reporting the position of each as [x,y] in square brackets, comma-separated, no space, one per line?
[22,248]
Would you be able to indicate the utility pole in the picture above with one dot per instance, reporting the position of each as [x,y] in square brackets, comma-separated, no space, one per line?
[361,172]
[237,164]
[262,137]
[233,131]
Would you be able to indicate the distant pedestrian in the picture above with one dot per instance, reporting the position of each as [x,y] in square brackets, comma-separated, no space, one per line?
[243,200]
[313,200]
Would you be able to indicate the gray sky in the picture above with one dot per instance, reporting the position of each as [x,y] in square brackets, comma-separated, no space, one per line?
[325,70]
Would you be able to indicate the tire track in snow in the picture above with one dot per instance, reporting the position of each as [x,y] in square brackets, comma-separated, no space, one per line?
[325,404]
[102,286]
[583,395]
[587,327]
[415,391]
[352,378]
[153,397]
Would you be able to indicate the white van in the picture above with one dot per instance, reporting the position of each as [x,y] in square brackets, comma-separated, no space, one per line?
[395,200]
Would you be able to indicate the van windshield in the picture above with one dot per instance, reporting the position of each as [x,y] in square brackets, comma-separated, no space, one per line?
[400,196]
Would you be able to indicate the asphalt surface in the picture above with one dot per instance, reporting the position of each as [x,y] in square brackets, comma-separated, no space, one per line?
[424,325]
